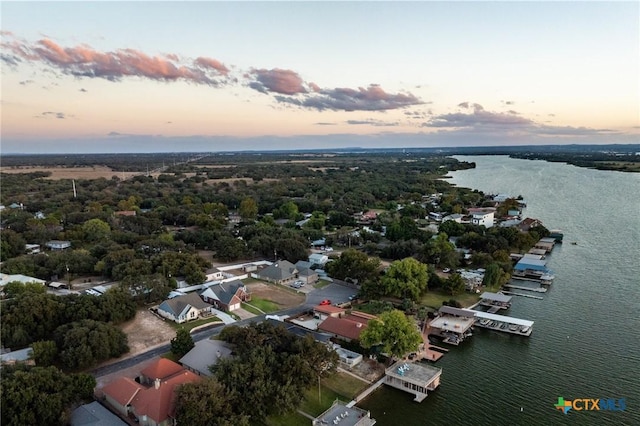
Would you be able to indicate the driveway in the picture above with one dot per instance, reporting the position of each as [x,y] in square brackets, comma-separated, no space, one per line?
[226,318]
[335,292]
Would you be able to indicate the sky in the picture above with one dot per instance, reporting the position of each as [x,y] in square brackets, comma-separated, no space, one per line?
[89,77]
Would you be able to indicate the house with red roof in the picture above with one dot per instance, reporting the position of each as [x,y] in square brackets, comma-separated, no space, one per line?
[150,398]
[347,327]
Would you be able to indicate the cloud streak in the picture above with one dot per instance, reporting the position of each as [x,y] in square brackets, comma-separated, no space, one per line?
[84,61]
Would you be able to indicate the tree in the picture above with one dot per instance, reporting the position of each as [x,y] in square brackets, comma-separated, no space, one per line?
[41,395]
[207,403]
[87,342]
[96,230]
[147,288]
[44,352]
[354,265]
[454,284]
[11,244]
[248,209]
[15,288]
[406,278]
[182,343]
[394,332]
[492,276]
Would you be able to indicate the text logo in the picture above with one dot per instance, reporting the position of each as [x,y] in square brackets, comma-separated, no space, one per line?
[590,404]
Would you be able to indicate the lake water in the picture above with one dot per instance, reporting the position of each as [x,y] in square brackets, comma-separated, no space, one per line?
[586,336]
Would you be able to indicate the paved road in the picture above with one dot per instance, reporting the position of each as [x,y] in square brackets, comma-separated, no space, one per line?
[335,292]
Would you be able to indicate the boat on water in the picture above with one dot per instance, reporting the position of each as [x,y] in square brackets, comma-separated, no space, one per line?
[484,322]
[513,327]
[503,325]
[575,243]
[524,329]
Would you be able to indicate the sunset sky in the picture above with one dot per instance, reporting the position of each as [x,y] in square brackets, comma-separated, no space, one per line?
[219,76]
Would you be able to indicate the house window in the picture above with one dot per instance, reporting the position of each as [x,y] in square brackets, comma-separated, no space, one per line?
[193,314]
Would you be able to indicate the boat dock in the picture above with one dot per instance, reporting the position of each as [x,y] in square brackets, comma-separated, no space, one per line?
[518,287]
[504,323]
[530,296]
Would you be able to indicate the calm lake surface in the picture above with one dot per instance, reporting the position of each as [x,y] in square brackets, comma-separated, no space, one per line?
[586,336]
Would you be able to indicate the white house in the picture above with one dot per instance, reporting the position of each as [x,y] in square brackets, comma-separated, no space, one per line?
[318,258]
[184,308]
[58,245]
[456,217]
[484,219]
[6,279]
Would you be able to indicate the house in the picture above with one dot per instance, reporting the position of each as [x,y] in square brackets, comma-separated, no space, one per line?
[341,413]
[347,327]
[125,213]
[19,356]
[324,311]
[305,273]
[184,308]
[456,217]
[213,274]
[6,279]
[94,414]
[58,245]
[32,248]
[281,272]
[151,401]
[318,259]
[528,223]
[226,296]
[204,354]
[482,216]
[435,216]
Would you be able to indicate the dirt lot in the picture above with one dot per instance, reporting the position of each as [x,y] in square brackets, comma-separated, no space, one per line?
[146,330]
[272,292]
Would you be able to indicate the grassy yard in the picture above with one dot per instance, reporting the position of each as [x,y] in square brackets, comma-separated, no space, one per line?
[192,324]
[339,386]
[251,309]
[170,356]
[264,305]
[321,284]
[345,384]
[434,299]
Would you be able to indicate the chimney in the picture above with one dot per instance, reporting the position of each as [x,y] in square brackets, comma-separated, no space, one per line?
[156,384]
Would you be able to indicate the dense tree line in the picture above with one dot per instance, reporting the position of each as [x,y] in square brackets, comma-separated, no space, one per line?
[269,374]
[41,395]
[35,316]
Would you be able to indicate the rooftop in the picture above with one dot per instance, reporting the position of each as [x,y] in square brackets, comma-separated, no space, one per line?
[204,354]
[503,318]
[341,414]
[417,372]
[452,323]
[94,414]
[496,297]
[161,369]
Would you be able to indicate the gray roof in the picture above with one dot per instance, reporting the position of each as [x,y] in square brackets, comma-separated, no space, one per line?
[281,270]
[205,353]
[498,297]
[178,304]
[224,292]
[456,311]
[94,414]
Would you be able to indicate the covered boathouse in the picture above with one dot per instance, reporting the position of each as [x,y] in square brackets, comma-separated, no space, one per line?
[413,377]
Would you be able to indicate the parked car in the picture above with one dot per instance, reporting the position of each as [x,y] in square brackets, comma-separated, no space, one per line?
[325,302]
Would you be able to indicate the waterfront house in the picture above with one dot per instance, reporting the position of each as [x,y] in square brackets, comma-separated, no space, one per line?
[529,223]
[149,400]
[184,308]
[415,378]
[456,217]
[342,414]
[453,324]
[281,272]
[226,296]
[347,327]
[482,216]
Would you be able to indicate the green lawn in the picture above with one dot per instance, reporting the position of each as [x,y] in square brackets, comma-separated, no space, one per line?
[345,384]
[434,299]
[264,305]
[251,309]
[321,284]
[346,387]
[191,324]
[170,356]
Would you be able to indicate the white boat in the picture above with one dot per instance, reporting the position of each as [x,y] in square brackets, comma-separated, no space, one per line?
[524,329]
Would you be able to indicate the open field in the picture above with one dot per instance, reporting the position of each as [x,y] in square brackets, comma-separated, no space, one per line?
[273,293]
[434,299]
[146,330]
[58,173]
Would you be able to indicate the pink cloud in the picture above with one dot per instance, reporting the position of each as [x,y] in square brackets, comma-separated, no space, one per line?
[277,80]
[213,64]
